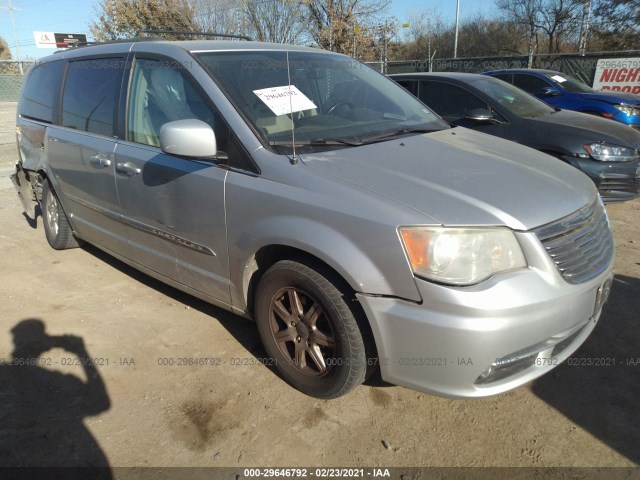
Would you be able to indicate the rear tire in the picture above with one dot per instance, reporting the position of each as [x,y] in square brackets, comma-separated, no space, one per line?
[308,328]
[56,225]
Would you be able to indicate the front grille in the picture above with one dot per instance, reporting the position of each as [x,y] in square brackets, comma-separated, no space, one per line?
[580,244]
[618,183]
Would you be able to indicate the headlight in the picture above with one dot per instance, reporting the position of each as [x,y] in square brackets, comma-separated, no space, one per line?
[606,152]
[461,256]
[630,110]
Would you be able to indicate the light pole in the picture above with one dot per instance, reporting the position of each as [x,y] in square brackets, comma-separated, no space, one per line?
[455,41]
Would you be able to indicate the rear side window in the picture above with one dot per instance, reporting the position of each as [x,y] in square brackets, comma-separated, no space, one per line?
[42,91]
[409,85]
[530,83]
[90,95]
[449,101]
[503,76]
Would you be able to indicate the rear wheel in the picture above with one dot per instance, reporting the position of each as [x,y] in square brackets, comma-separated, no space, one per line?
[308,328]
[56,225]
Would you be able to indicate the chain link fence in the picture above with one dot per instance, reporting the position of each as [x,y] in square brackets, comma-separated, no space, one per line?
[11,75]
[582,67]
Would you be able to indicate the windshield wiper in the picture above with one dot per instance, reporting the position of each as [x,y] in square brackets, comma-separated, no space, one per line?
[334,141]
[398,132]
[316,142]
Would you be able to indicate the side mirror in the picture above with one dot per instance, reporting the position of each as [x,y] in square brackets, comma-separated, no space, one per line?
[480,115]
[550,92]
[189,138]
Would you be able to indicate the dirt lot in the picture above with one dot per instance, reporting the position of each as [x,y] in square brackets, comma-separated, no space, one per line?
[134,411]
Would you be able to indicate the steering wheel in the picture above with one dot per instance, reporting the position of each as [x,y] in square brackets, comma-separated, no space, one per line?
[337,105]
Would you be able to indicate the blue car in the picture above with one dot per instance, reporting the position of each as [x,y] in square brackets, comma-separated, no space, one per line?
[562,91]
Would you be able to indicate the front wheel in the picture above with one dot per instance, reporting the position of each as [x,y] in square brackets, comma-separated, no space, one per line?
[56,225]
[308,328]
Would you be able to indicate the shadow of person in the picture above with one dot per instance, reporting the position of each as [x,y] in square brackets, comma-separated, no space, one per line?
[42,411]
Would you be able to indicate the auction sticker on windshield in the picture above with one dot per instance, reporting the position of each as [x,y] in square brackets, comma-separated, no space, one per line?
[285,99]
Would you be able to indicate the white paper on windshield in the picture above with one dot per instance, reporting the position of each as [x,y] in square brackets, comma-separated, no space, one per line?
[283,100]
[558,78]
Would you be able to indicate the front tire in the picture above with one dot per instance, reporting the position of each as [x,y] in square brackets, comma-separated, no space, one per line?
[56,225]
[308,328]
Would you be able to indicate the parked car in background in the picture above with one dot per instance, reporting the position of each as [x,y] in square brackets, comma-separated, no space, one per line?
[302,189]
[562,91]
[604,150]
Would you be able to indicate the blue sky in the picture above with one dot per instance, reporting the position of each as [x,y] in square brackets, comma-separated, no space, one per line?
[74,16]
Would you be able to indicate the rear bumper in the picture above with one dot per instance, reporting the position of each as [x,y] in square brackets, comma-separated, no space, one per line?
[25,191]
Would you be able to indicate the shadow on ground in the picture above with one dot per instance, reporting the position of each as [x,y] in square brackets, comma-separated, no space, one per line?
[598,388]
[33,222]
[42,410]
[242,329]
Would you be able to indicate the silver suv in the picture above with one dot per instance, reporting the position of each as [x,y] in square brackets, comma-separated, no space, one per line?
[304,190]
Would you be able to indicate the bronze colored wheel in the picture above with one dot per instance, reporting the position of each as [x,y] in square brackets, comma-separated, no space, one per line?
[302,332]
[309,330]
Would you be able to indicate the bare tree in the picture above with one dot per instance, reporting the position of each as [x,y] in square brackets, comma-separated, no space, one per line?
[559,20]
[525,13]
[420,38]
[333,24]
[221,16]
[481,37]
[280,21]
[616,25]
[123,18]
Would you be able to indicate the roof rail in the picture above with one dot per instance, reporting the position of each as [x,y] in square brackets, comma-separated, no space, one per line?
[195,34]
[82,44]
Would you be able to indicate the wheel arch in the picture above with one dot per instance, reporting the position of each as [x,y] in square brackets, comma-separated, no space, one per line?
[269,255]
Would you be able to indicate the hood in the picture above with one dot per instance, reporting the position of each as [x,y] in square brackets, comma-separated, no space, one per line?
[580,128]
[612,97]
[462,177]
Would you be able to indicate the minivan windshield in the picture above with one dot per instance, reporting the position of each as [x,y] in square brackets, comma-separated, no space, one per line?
[321,100]
[512,98]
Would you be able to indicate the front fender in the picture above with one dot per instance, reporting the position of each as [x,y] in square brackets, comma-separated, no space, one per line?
[364,270]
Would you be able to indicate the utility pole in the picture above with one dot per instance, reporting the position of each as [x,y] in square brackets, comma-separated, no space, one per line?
[455,42]
[15,36]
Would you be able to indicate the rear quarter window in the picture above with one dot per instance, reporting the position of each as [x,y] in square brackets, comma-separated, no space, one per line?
[506,77]
[90,95]
[530,83]
[41,92]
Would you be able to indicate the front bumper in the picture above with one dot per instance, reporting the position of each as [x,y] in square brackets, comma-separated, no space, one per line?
[616,181]
[633,121]
[488,338]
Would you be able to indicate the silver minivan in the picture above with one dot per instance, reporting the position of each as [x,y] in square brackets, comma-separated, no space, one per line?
[304,190]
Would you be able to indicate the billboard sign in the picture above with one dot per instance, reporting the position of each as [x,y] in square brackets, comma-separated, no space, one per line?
[57,40]
[618,75]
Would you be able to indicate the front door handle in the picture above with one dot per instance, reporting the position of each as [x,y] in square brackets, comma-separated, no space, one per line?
[100,160]
[127,168]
